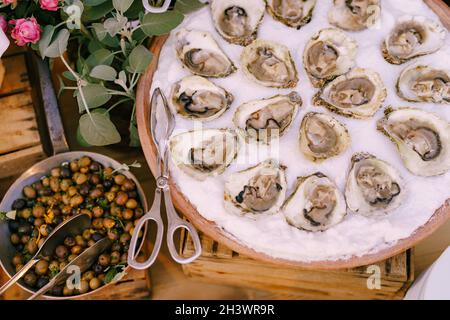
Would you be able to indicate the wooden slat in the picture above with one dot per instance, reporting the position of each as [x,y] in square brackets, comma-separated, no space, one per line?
[220,265]
[16,77]
[17,162]
[18,129]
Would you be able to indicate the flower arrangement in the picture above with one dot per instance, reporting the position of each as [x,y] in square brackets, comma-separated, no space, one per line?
[109,40]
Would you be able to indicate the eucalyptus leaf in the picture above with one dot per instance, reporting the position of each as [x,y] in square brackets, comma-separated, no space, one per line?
[155,24]
[123,76]
[59,45]
[122,5]
[100,30]
[97,129]
[95,95]
[81,140]
[102,56]
[104,72]
[69,76]
[139,59]
[134,135]
[93,2]
[93,13]
[188,6]
[46,38]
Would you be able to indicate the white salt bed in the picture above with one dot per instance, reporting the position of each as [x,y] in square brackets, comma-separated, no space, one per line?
[356,235]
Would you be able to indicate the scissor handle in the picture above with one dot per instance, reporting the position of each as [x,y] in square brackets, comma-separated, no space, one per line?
[155,215]
[175,223]
[153,9]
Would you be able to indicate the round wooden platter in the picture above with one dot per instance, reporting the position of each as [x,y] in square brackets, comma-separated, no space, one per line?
[214,231]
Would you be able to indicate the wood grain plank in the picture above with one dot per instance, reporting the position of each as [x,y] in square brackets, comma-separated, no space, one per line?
[16,77]
[17,162]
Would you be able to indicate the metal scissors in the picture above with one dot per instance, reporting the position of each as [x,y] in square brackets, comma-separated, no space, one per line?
[162,123]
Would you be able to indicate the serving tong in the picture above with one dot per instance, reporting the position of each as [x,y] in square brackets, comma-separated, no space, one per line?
[162,123]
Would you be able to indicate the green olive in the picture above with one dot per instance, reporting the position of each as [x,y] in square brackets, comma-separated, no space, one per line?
[94,283]
[15,238]
[76,250]
[25,213]
[32,246]
[104,259]
[110,196]
[29,192]
[131,204]
[80,178]
[87,234]
[97,223]
[124,238]
[76,200]
[88,275]
[67,291]
[71,257]
[38,211]
[115,257]
[84,287]
[38,222]
[17,259]
[56,172]
[80,241]
[30,279]
[119,179]
[62,252]
[109,223]
[41,267]
[84,161]
[128,185]
[65,184]
[127,214]
[72,191]
[97,212]
[121,198]
[54,184]
[43,229]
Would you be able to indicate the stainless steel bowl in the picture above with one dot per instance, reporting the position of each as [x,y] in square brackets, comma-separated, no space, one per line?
[33,174]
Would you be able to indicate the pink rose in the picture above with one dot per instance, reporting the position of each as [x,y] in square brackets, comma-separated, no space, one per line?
[51,5]
[25,31]
[9,2]
[3,23]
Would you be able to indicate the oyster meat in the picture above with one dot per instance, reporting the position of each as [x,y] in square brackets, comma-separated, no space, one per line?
[422,139]
[357,94]
[265,119]
[373,187]
[293,13]
[269,64]
[354,15]
[322,136]
[328,54]
[237,21]
[197,98]
[316,204]
[422,83]
[200,53]
[257,190]
[413,36]
[204,153]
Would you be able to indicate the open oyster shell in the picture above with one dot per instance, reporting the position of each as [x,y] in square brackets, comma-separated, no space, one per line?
[293,13]
[354,15]
[422,139]
[266,119]
[315,205]
[237,21]
[197,98]
[422,83]
[257,190]
[322,136]
[413,36]
[200,53]
[204,153]
[373,187]
[357,94]
[328,54]
[269,64]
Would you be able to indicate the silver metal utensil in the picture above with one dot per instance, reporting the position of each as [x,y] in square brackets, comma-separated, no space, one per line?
[69,227]
[83,261]
[162,123]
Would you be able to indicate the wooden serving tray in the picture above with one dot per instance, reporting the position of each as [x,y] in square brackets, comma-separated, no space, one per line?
[212,230]
[220,265]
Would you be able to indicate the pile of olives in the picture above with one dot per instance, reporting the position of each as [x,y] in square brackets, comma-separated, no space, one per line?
[81,186]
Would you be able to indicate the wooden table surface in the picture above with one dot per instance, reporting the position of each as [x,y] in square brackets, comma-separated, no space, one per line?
[168,280]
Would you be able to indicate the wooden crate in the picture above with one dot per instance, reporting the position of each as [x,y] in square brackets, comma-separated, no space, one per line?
[135,285]
[20,140]
[218,264]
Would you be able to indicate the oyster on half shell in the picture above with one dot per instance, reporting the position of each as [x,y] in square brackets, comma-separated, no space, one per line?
[373,186]
[204,153]
[357,94]
[293,13]
[265,119]
[322,136]
[200,53]
[237,21]
[269,64]
[413,36]
[328,54]
[316,204]
[422,139]
[257,190]
[422,83]
[197,98]
[354,15]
